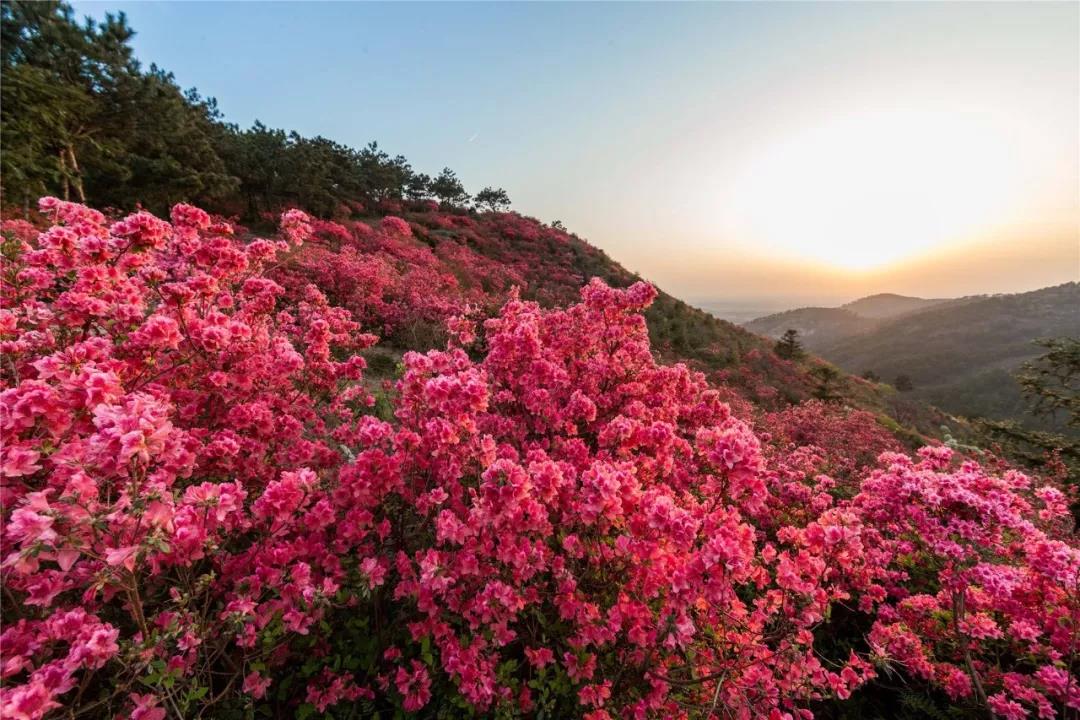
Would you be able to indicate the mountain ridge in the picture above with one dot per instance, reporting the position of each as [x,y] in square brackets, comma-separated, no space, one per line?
[960,353]
[882,305]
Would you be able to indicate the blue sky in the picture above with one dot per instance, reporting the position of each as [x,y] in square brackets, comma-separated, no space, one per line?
[716,148]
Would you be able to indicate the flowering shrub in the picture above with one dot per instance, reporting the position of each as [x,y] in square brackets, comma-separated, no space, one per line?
[391,281]
[203,513]
[591,519]
[161,404]
[849,441]
[982,599]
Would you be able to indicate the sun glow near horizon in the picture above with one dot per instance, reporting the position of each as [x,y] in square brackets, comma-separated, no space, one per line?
[734,149]
[866,190]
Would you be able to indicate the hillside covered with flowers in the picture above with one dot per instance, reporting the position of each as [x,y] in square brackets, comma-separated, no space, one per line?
[430,465]
[404,268]
[293,430]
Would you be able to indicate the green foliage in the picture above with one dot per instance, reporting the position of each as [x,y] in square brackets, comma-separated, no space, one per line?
[828,379]
[948,440]
[83,121]
[788,346]
[960,354]
[493,199]
[917,705]
[418,186]
[447,188]
[164,148]
[1051,383]
[1051,386]
[694,334]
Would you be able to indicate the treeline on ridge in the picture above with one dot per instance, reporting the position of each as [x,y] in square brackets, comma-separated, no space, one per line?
[83,120]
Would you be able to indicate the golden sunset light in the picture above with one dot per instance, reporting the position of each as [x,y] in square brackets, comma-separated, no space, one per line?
[869,189]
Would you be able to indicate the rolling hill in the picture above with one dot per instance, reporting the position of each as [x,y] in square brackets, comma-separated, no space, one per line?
[887,305]
[960,354]
[818,326]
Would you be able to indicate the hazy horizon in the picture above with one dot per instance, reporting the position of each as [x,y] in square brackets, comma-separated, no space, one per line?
[727,151]
[742,309]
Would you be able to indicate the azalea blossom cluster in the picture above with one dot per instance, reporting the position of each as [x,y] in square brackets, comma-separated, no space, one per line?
[396,275]
[978,574]
[204,512]
[847,441]
[159,401]
[384,276]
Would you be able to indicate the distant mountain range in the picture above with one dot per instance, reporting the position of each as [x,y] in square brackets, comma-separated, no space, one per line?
[886,305]
[959,353]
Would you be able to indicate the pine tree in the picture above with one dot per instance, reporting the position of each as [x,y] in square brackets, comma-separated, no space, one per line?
[788,346]
[493,199]
[826,390]
[447,188]
[81,120]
